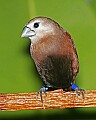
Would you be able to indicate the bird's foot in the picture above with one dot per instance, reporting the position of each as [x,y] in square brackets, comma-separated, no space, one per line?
[78,90]
[43,89]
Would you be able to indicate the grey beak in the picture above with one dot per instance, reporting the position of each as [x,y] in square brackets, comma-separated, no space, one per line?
[27,32]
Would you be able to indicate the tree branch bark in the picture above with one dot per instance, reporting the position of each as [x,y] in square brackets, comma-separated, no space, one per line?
[56,99]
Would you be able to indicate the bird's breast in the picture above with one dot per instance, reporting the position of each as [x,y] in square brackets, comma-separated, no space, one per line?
[47,47]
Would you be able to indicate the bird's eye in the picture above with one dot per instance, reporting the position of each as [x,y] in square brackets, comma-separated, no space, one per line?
[36,25]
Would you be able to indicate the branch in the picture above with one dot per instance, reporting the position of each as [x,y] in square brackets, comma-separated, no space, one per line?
[56,99]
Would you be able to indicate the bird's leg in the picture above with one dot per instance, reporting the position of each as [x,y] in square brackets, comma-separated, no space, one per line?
[78,90]
[43,89]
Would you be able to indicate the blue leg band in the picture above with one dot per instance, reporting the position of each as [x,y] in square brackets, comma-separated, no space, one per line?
[74,86]
[44,88]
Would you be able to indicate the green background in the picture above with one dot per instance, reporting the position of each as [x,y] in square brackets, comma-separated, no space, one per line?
[17,70]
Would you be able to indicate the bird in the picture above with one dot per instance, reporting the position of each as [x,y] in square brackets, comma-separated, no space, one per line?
[54,53]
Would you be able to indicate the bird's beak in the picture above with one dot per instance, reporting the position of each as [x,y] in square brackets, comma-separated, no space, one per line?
[27,32]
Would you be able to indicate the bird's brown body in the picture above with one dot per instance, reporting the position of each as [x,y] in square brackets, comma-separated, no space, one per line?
[56,59]
[53,51]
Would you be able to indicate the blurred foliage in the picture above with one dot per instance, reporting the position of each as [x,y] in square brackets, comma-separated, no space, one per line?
[17,69]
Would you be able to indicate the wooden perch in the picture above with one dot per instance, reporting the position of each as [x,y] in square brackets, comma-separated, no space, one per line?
[56,99]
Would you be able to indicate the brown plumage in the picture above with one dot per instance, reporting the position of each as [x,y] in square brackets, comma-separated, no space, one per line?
[62,52]
[53,51]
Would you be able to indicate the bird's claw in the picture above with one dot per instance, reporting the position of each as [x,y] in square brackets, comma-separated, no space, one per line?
[80,91]
[43,89]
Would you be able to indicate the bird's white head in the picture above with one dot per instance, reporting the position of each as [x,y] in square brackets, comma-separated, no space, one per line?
[38,28]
